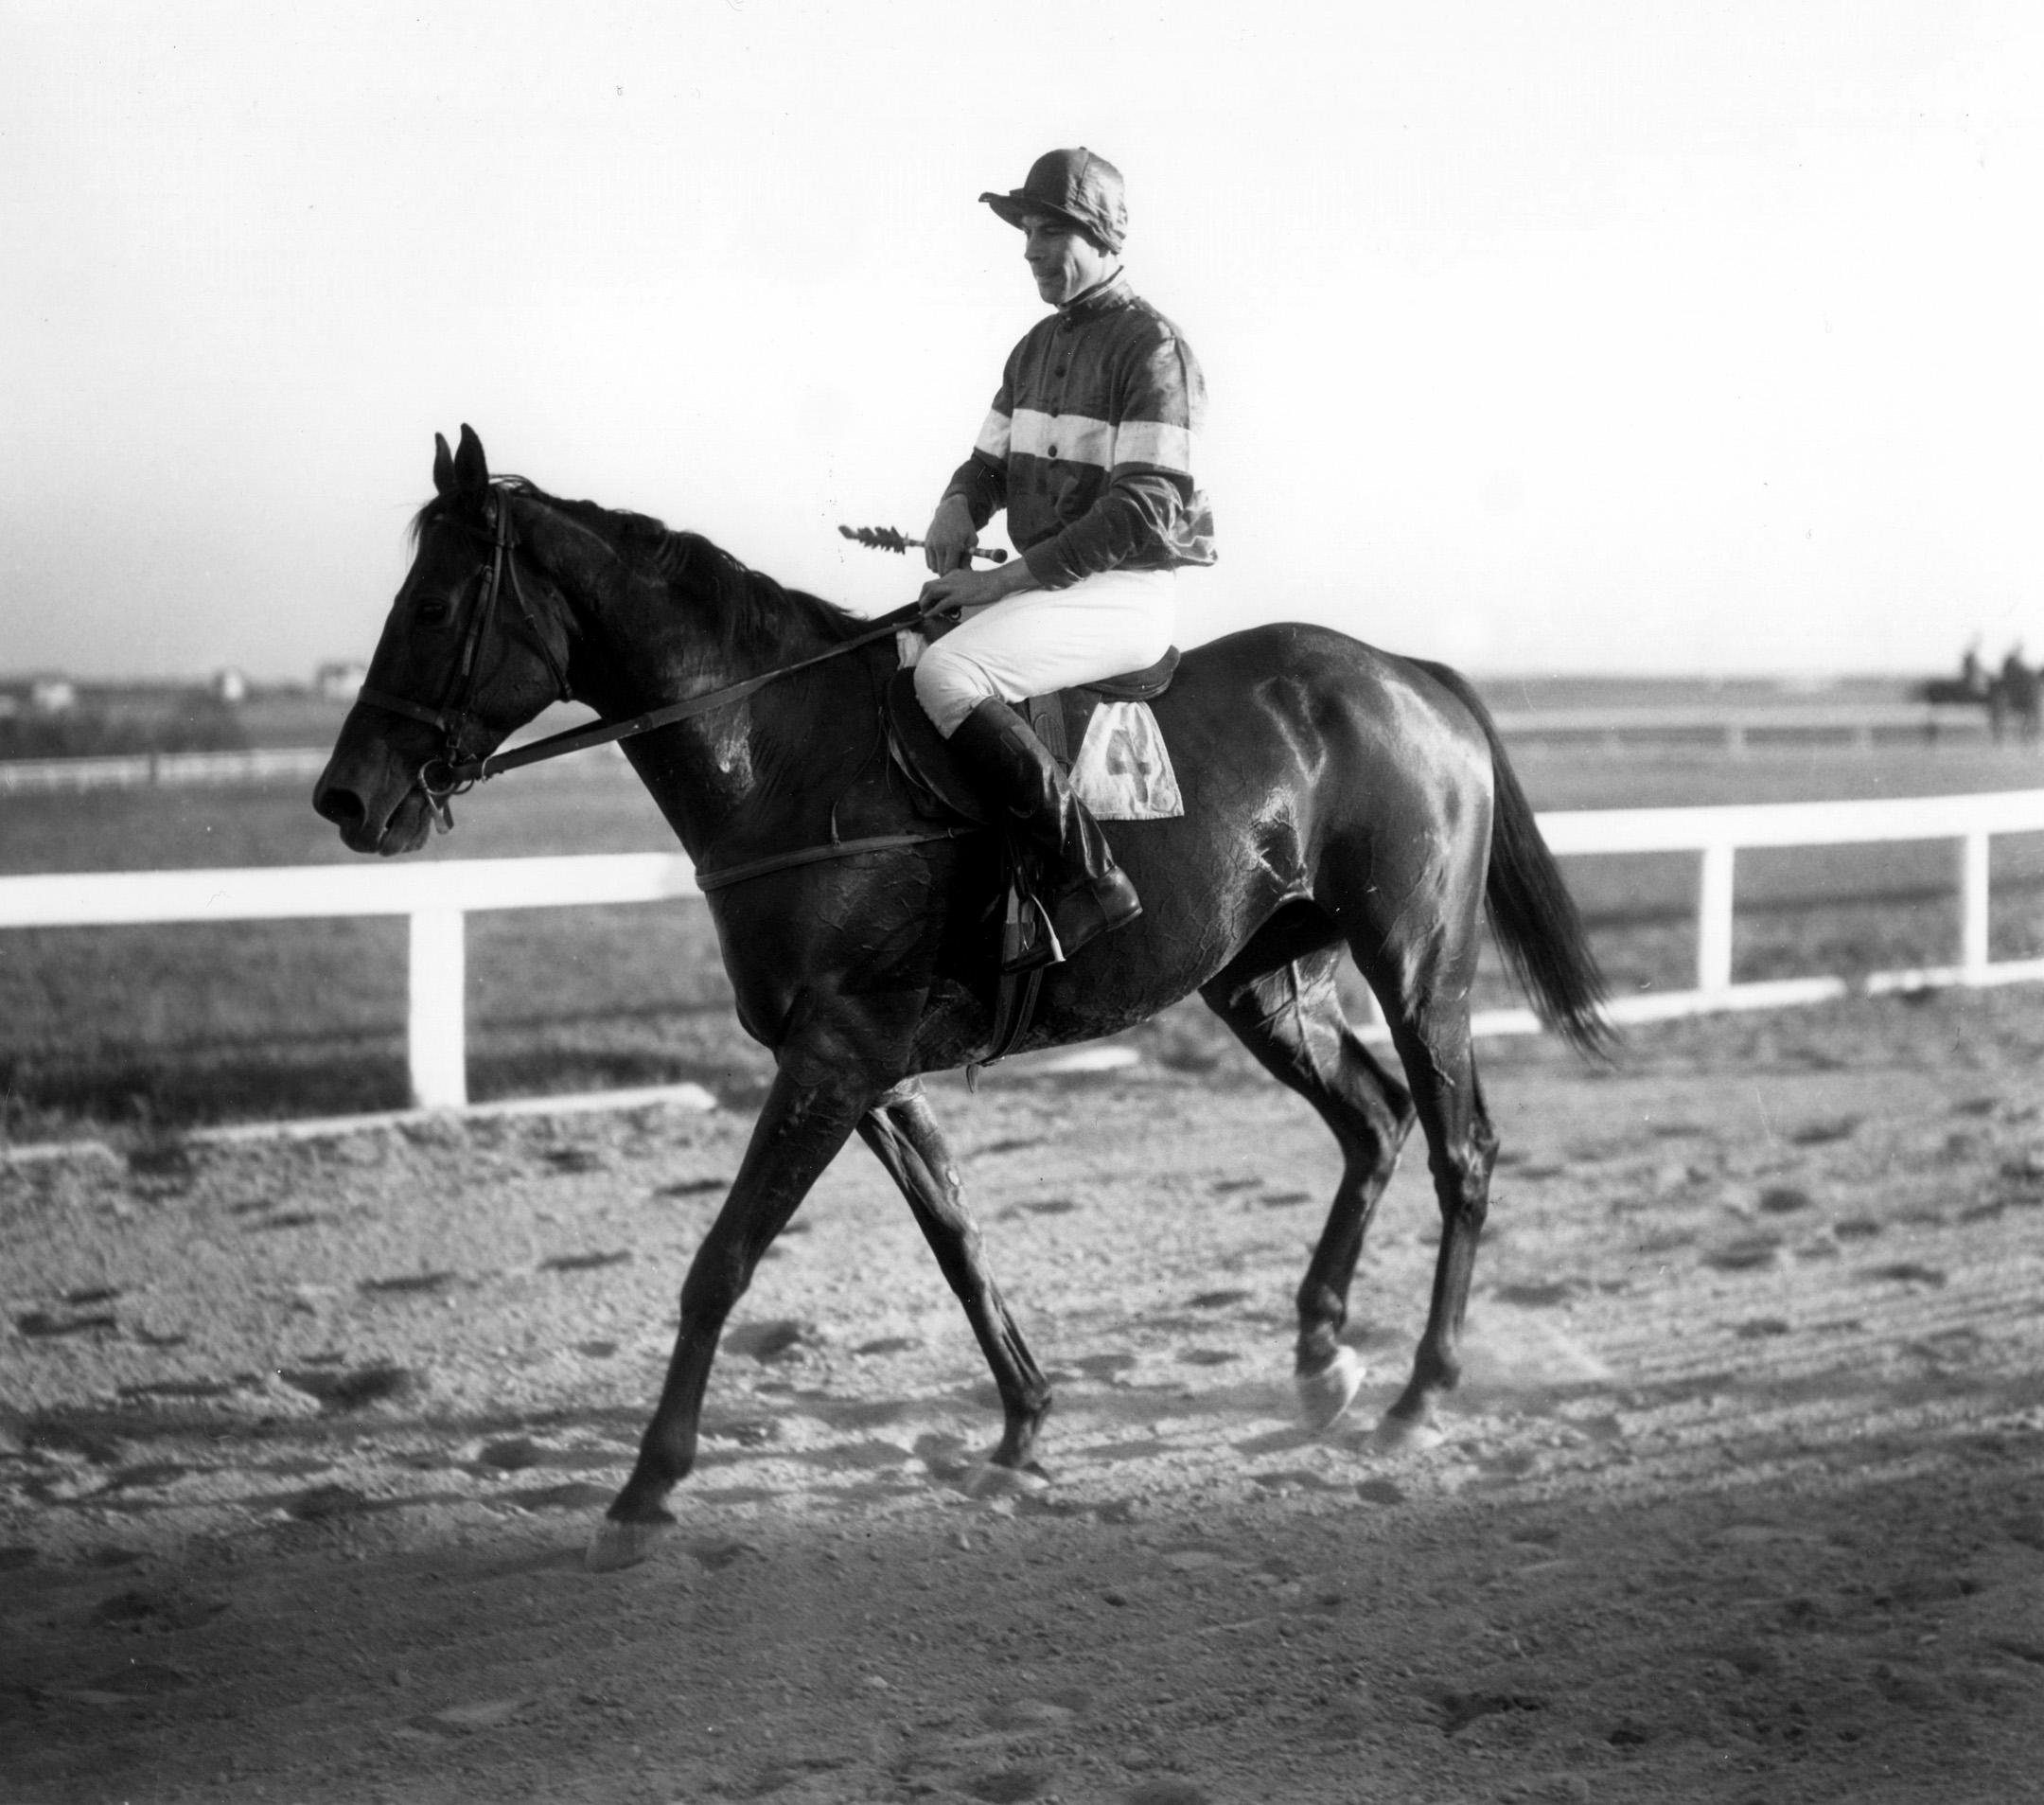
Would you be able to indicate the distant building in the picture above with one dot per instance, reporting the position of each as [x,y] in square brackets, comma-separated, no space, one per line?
[339,679]
[52,696]
[229,685]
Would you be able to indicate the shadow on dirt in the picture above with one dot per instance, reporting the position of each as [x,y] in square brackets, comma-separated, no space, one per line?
[1861,1635]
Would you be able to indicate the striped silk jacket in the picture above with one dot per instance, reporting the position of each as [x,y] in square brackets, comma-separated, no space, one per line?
[1090,443]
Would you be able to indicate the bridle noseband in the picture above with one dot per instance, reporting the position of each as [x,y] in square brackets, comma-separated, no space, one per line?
[454,769]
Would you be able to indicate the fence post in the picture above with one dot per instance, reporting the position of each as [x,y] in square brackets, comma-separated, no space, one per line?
[1714,918]
[1973,904]
[435,1037]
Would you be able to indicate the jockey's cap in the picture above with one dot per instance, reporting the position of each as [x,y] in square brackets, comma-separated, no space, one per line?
[1072,184]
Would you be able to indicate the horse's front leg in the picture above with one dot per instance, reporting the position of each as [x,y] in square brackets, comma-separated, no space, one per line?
[904,1134]
[798,1132]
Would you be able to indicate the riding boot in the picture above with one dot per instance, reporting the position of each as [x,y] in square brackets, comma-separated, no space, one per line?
[1007,765]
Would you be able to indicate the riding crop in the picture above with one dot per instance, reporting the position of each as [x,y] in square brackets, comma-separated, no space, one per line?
[886,538]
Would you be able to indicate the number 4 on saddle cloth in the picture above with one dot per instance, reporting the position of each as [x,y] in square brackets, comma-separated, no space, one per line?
[1122,771]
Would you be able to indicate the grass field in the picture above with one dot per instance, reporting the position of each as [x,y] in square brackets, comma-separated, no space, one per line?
[158,1027]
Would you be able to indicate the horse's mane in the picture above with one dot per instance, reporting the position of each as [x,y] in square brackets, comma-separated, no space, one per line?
[753,612]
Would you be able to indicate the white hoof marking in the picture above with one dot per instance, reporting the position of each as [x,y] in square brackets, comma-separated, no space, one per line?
[1324,1395]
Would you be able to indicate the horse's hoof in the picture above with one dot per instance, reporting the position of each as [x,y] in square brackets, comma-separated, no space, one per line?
[1409,1434]
[617,1545]
[1324,1395]
[986,1480]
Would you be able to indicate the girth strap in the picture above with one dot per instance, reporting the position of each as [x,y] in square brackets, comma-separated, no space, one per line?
[709,881]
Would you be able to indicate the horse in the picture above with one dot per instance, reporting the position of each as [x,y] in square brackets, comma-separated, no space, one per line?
[2015,698]
[1336,798]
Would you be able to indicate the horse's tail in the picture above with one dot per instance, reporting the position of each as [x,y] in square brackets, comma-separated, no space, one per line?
[1532,914]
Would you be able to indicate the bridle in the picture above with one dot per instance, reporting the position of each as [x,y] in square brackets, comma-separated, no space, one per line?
[454,771]
[458,766]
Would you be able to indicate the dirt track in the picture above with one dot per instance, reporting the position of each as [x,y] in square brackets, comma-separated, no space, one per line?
[1744,1495]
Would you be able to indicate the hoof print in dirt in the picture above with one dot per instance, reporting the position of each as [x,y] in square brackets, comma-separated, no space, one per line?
[775,1341]
[406,1284]
[1536,1296]
[575,1495]
[326,1504]
[1817,1134]
[142,1608]
[1751,1254]
[1904,1272]
[1221,1299]
[718,1555]
[353,1390]
[585,1261]
[513,1454]
[1458,1710]
[572,1158]
[39,1326]
[695,1188]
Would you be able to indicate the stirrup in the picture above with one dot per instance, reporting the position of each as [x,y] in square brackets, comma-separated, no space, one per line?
[1029,942]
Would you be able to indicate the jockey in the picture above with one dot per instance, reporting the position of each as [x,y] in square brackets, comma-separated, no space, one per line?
[1089,448]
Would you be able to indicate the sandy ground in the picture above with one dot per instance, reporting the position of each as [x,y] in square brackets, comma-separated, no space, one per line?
[1743,1498]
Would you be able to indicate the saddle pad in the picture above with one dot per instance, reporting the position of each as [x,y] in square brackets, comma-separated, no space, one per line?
[1122,772]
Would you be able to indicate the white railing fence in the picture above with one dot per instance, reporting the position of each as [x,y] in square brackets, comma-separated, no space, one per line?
[438,896]
[162,771]
[1739,730]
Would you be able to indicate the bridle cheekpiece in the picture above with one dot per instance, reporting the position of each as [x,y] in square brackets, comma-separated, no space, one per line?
[454,769]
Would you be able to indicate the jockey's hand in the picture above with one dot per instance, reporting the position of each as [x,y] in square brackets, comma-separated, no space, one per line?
[949,541]
[969,588]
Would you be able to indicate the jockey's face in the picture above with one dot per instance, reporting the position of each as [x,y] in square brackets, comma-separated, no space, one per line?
[1066,264]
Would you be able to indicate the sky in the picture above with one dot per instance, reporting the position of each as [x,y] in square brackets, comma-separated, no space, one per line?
[1577,337]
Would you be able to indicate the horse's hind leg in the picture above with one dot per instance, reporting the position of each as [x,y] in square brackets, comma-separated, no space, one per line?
[1291,1019]
[905,1136]
[1433,1039]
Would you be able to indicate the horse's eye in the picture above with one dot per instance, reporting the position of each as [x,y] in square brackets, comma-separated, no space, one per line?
[434,610]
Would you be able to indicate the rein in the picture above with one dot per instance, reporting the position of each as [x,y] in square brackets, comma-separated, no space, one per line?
[576,738]
[459,773]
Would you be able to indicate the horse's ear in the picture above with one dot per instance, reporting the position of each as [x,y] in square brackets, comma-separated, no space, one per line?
[443,467]
[471,468]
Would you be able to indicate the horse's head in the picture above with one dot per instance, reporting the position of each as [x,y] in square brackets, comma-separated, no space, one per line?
[476,645]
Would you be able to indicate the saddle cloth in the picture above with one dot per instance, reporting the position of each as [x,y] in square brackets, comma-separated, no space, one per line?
[1122,771]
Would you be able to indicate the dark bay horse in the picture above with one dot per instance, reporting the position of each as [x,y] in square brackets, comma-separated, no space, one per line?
[1336,798]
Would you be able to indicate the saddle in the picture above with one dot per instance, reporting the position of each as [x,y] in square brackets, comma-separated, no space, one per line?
[1060,720]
